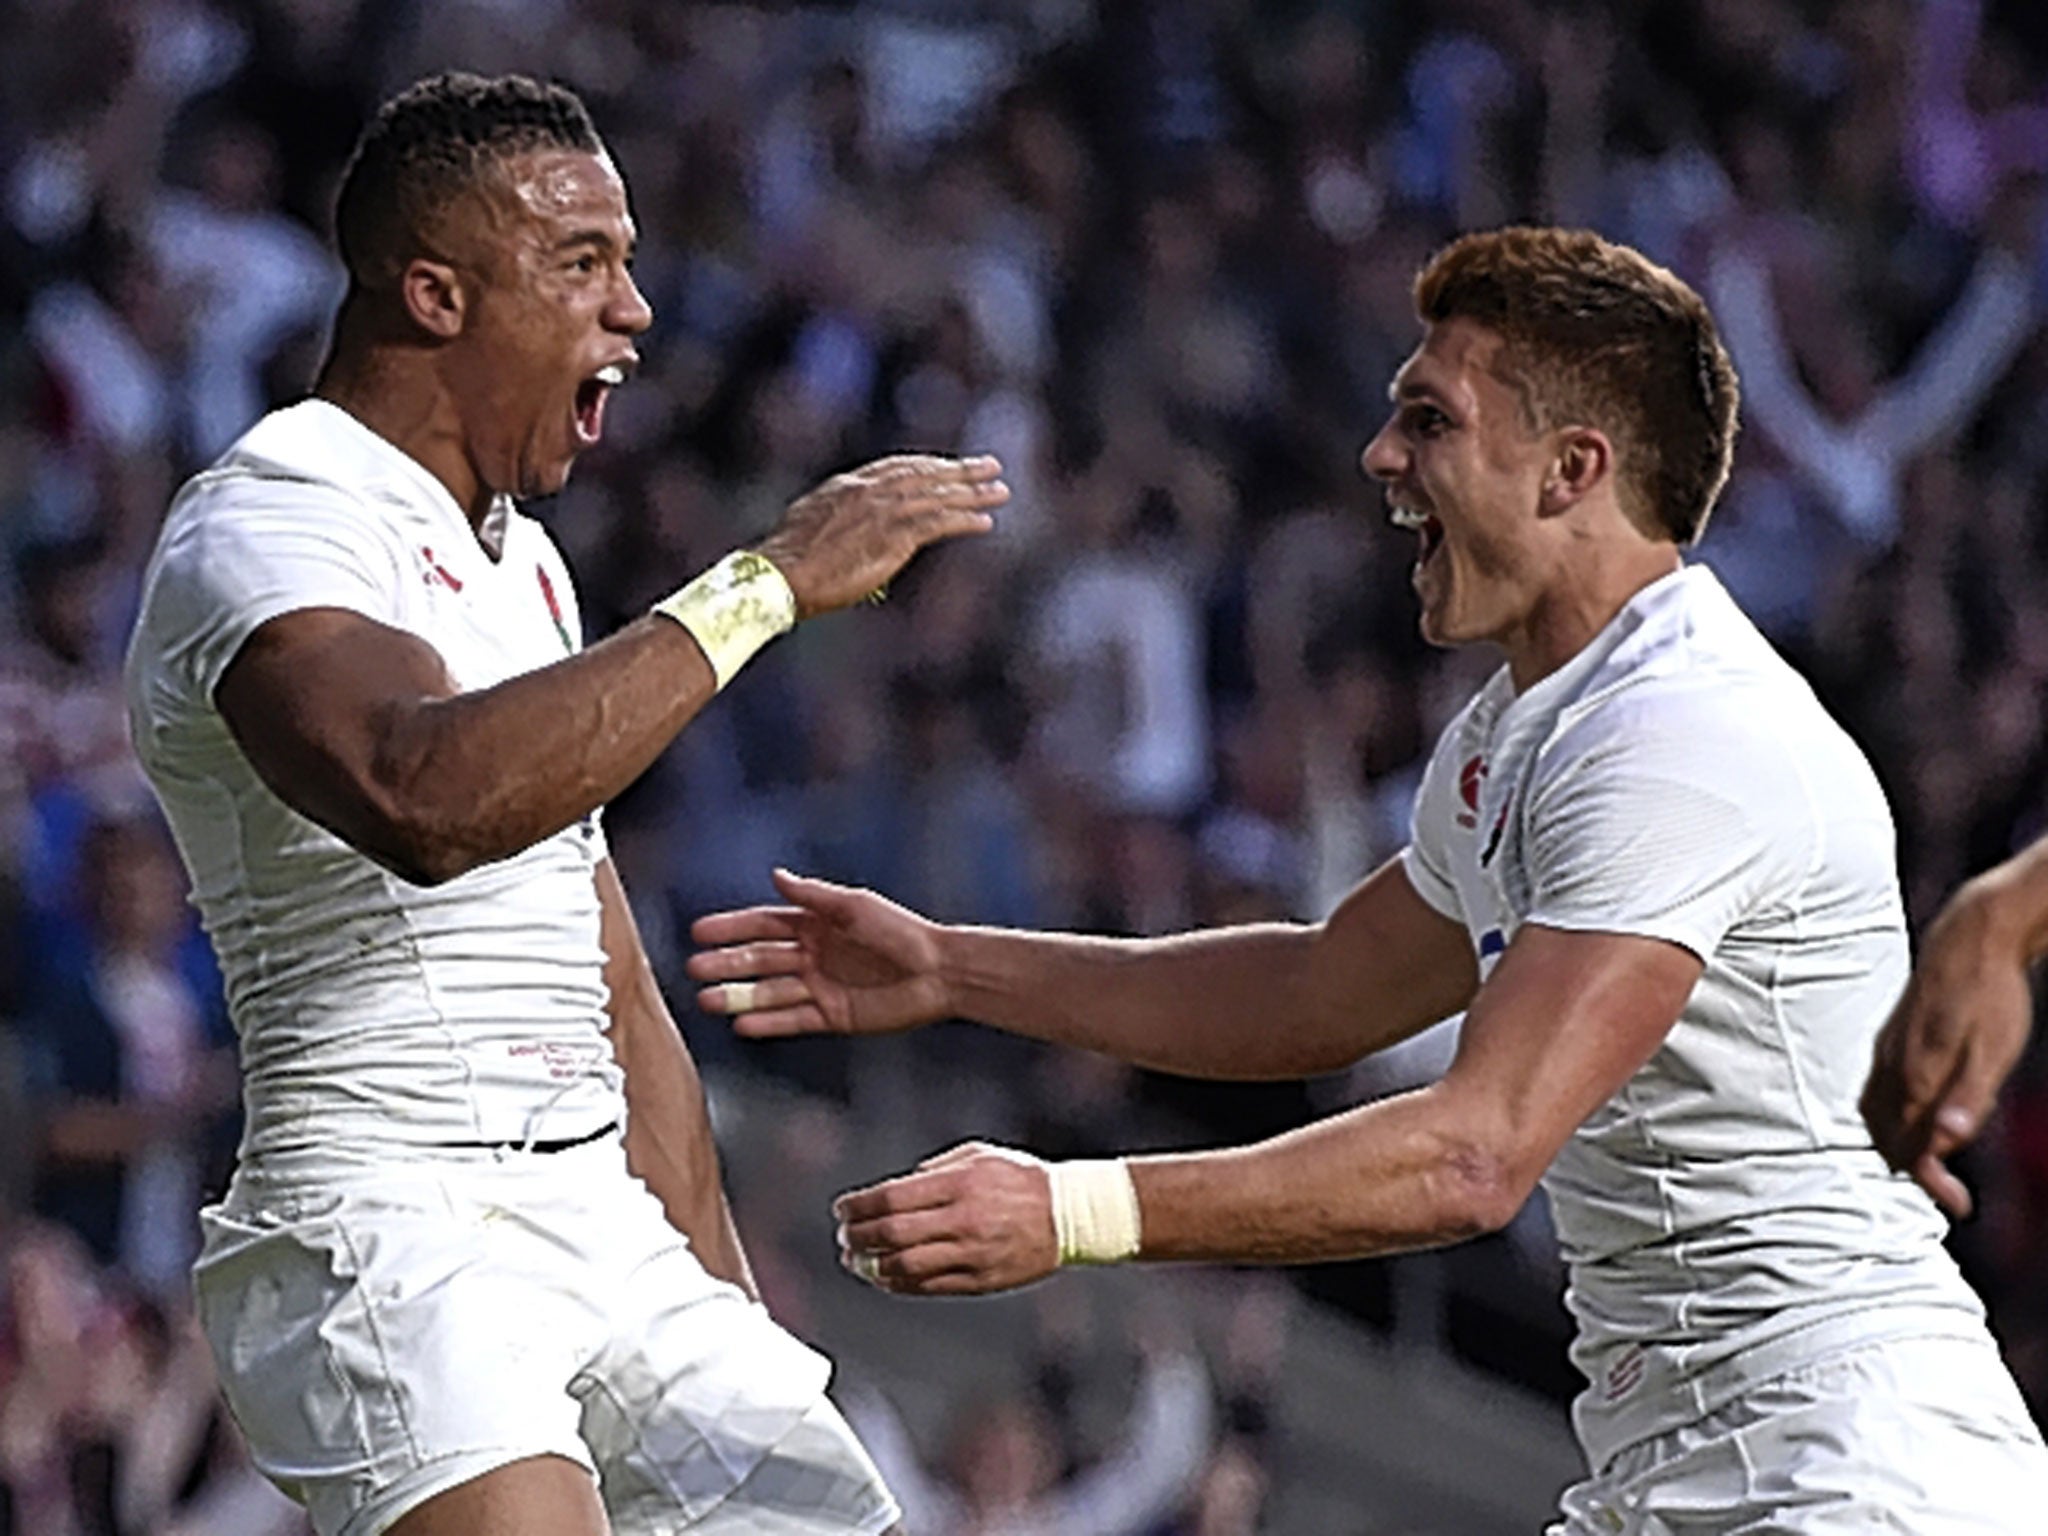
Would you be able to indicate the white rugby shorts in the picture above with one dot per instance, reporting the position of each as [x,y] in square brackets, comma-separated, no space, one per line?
[388,1328]
[1914,1436]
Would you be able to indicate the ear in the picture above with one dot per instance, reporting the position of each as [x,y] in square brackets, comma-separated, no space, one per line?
[435,297]
[1584,461]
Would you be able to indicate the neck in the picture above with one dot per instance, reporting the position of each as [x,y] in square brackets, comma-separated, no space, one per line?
[1593,587]
[396,392]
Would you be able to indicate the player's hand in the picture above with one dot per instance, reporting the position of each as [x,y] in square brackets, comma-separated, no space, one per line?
[1949,1045]
[972,1220]
[846,539]
[836,961]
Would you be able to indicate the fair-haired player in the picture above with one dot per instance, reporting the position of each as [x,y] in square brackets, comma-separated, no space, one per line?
[475,1275]
[1656,876]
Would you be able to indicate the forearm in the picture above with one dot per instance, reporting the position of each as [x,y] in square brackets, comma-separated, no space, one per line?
[478,776]
[2011,899]
[1227,1003]
[1565,1019]
[1267,1000]
[1389,1177]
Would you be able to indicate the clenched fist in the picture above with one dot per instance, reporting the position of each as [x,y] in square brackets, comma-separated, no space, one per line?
[967,1222]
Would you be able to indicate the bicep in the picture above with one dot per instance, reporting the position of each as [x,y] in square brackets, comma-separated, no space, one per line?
[1386,965]
[313,699]
[1565,1020]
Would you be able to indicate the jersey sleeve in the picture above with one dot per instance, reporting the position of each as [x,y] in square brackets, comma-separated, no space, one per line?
[235,567]
[1671,822]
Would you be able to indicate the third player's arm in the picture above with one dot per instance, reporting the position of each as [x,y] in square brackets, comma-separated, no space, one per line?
[1962,1024]
[1269,1000]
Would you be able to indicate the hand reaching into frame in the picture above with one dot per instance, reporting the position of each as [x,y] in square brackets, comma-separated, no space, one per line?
[970,1221]
[836,960]
[1950,1044]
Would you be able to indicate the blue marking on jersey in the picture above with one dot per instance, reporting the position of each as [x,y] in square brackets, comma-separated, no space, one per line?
[1491,943]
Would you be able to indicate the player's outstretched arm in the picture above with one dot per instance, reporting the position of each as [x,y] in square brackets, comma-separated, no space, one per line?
[668,1130]
[1260,1001]
[360,727]
[1961,1025]
[1565,1020]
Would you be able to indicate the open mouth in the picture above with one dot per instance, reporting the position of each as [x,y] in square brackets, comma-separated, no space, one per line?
[1432,540]
[591,395]
[1424,524]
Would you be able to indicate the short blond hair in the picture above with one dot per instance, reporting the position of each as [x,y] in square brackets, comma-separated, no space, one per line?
[1598,334]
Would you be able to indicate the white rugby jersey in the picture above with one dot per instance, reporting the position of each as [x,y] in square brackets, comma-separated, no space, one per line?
[1724,1215]
[368,1008]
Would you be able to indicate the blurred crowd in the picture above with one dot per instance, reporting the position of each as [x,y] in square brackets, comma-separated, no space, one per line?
[1155,254]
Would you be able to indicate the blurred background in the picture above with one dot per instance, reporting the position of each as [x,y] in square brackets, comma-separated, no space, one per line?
[1156,254]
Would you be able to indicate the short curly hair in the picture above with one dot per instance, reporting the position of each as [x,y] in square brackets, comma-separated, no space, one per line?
[1597,333]
[428,144]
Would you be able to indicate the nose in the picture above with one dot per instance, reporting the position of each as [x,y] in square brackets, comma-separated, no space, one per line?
[629,310]
[1384,457]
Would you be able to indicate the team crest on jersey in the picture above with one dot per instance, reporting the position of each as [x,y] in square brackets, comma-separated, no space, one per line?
[437,574]
[1470,777]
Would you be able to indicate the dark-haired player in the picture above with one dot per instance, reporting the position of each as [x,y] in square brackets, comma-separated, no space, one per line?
[475,1273]
[1659,881]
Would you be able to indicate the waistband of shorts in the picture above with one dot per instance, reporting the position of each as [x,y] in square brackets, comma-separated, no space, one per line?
[358,1163]
[531,1144]
[1667,1396]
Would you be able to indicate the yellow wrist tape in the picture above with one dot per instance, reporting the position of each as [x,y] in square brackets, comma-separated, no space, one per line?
[1095,1217]
[733,609]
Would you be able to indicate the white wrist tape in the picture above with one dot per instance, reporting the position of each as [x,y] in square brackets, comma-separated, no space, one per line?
[1095,1217]
[733,609]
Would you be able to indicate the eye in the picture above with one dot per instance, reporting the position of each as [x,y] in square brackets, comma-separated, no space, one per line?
[1427,421]
[584,265]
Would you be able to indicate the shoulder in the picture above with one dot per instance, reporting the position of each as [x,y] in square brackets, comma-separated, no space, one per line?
[237,524]
[306,470]
[1727,761]
[1697,695]
[1737,738]
[261,532]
